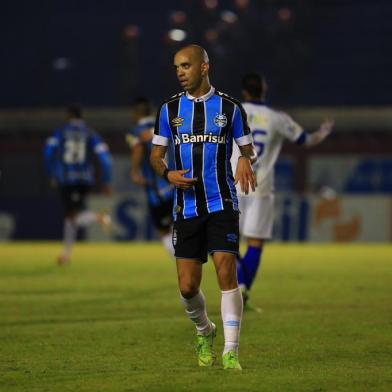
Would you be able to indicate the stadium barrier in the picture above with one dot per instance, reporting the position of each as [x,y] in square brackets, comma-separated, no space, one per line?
[297,218]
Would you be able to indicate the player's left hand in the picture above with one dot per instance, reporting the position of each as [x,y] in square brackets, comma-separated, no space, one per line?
[245,175]
[315,138]
[326,127]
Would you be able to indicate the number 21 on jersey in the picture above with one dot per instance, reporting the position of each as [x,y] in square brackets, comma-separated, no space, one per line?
[74,151]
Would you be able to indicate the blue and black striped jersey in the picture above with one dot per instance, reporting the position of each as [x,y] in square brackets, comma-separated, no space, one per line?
[202,131]
[69,154]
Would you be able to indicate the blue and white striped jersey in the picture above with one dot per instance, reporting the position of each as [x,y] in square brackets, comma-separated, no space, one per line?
[69,155]
[202,131]
[158,189]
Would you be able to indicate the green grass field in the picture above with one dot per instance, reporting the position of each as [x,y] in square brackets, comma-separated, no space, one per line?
[112,321]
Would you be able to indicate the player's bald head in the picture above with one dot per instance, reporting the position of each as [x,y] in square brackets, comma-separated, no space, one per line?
[196,52]
[191,65]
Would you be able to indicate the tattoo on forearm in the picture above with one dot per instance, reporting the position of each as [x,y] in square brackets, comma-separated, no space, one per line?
[249,152]
[157,159]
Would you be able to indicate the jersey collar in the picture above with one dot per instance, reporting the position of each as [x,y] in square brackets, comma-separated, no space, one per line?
[203,97]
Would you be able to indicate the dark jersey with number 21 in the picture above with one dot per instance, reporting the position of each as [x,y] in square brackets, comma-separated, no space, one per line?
[202,131]
[69,154]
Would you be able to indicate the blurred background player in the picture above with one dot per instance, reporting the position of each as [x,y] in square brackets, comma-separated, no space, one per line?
[269,129]
[159,191]
[69,162]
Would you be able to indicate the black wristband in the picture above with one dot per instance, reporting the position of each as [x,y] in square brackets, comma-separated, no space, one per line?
[165,173]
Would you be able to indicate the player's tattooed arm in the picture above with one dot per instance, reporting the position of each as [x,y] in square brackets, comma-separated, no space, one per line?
[244,173]
[249,152]
[175,177]
[157,159]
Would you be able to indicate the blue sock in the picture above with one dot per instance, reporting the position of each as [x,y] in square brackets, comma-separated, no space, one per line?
[250,264]
[240,271]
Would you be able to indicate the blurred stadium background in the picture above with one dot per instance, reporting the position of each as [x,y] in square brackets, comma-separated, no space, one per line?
[321,58]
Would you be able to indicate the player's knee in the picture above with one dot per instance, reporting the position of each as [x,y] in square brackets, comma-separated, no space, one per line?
[188,290]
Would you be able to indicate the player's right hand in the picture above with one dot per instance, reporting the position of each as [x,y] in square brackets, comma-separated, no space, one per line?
[176,177]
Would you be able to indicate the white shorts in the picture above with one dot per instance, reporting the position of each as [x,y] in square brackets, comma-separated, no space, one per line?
[257,216]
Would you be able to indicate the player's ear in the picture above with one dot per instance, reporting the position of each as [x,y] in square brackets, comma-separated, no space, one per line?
[204,68]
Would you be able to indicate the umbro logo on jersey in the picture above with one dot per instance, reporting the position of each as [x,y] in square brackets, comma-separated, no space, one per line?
[220,120]
[177,121]
[205,138]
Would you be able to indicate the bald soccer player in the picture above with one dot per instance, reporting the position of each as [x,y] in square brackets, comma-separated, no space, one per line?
[202,123]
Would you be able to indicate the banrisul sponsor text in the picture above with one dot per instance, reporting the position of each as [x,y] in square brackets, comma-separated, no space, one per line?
[205,138]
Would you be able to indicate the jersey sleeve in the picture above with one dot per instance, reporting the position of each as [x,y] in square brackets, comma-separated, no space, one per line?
[133,136]
[101,150]
[289,129]
[241,131]
[162,131]
[131,139]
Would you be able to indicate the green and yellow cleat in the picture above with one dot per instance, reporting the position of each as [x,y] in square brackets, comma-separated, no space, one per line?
[204,348]
[230,361]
